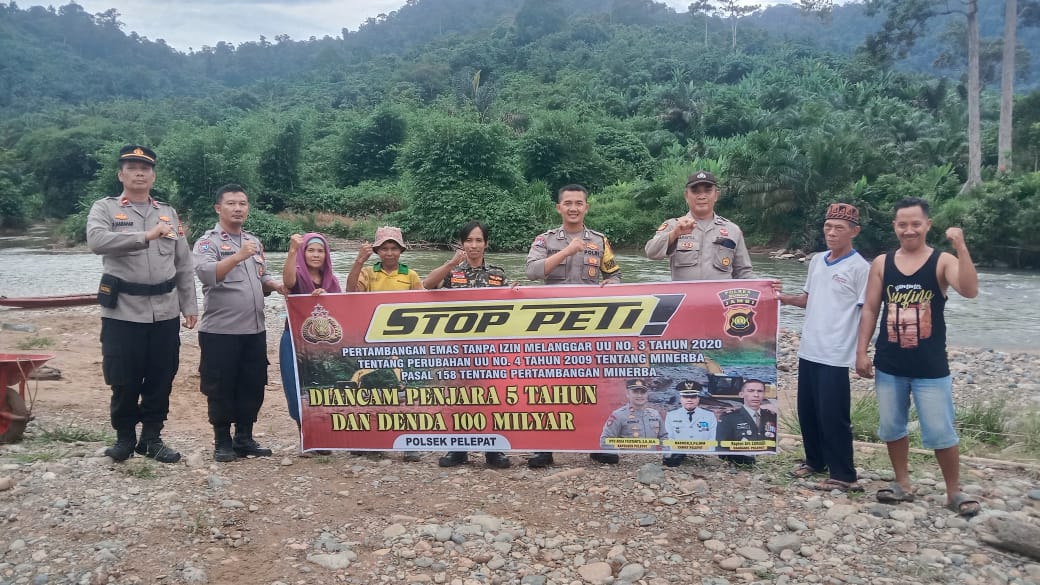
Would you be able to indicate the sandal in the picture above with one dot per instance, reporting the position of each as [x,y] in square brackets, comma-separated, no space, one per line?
[894,494]
[964,505]
[803,471]
[831,484]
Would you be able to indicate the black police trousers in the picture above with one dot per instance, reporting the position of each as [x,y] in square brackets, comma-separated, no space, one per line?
[139,361]
[233,373]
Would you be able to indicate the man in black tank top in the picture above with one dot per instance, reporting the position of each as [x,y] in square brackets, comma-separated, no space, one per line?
[909,287]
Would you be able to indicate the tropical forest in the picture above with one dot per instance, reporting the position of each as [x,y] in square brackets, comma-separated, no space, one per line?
[449,110]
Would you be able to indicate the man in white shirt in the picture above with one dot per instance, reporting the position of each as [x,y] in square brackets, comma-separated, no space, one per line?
[832,298]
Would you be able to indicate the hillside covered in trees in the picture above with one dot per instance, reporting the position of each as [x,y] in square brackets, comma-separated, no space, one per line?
[448,110]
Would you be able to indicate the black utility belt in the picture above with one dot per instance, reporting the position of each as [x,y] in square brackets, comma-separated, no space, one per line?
[112,286]
[147,290]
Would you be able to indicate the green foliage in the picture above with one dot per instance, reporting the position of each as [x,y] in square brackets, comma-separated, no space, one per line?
[448,110]
[73,434]
[445,152]
[16,203]
[273,231]
[369,151]
[372,198]
[982,423]
[614,211]
[1009,207]
[35,342]
[561,149]
[279,167]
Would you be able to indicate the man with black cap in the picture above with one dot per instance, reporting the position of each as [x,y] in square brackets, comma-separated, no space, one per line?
[637,419]
[701,245]
[689,422]
[832,299]
[147,284]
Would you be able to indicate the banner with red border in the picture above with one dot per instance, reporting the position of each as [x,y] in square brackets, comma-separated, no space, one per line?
[541,368]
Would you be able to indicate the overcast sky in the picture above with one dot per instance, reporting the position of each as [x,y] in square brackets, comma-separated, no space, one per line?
[185,24]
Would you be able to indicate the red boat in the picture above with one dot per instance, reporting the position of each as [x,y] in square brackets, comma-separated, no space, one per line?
[48,301]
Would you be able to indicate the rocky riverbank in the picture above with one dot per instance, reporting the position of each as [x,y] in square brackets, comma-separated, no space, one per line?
[70,515]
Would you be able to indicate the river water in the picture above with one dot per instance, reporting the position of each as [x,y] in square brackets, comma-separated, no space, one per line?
[1005,315]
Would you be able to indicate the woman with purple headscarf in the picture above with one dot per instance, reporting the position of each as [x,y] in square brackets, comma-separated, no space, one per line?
[308,270]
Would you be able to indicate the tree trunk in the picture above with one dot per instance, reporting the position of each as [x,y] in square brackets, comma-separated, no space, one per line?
[1007,82]
[734,43]
[974,125]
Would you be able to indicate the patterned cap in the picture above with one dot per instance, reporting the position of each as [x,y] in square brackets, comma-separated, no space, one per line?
[133,152]
[843,211]
[701,177]
[388,233]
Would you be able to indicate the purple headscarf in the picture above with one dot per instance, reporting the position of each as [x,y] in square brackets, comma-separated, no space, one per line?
[304,284]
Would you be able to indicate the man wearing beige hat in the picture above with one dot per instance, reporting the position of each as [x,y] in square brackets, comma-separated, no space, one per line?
[386,275]
[832,299]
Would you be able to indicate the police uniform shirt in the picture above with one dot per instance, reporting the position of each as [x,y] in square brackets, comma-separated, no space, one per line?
[374,278]
[717,253]
[235,305]
[116,229]
[691,425]
[467,276]
[628,422]
[739,425]
[595,263]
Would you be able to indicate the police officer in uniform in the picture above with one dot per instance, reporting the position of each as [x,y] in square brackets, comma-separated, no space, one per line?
[689,422]
[230,263]
[750,422]
[467,269]
[635,419]
[703,245]
[572,254]
[147,284]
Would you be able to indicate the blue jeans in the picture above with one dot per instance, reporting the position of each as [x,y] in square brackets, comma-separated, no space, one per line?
[287,365]
[933,398]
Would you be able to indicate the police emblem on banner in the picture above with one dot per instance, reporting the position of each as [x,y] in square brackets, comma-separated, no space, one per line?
[739,305]
[320,327]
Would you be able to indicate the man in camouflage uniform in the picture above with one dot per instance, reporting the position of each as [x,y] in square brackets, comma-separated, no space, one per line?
[232,268]
[147,283]
[636,419]
[467,269]
[572,254]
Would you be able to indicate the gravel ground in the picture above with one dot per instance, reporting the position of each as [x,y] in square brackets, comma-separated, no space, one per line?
[68,514]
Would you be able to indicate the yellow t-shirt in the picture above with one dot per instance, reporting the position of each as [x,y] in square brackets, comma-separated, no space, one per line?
[374,278]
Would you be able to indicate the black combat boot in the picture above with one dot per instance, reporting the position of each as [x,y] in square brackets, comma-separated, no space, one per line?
[244,444]
[223,450]
[123,448]
[674,460]
[152,446]
[540,459]
[497,460]
[453,458]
